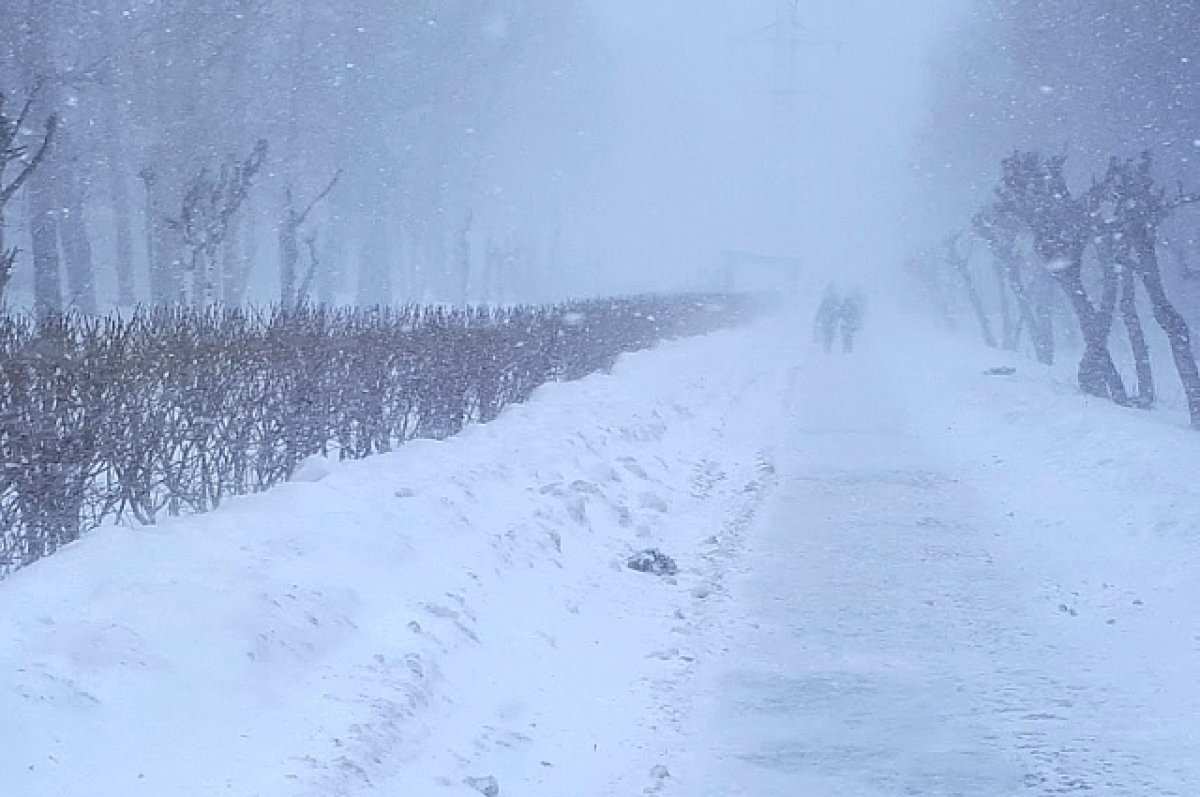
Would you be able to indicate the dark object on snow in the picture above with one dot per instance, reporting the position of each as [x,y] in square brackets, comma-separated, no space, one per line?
[488,786]
[653,561]
[1003,370]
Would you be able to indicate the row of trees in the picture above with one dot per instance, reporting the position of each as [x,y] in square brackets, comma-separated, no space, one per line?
[1100,246]
[172,411]
[154,191]
[1096,77]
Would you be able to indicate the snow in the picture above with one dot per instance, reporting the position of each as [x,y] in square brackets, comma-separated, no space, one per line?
[413,623]
[966,584]
[898,574]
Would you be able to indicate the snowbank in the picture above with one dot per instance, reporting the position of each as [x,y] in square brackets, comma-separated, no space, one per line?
[414,623]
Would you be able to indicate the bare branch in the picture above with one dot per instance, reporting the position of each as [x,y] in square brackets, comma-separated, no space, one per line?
[8,260]
[6,193]
[1183,199]
[11,128]
[299,218]
[24,114]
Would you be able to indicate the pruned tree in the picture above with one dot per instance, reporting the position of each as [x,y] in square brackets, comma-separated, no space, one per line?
[24,159]
[210,203]
[1001,233]
[1114,251]
[289,240]
[1136,207]
[959,262]
[1033,190]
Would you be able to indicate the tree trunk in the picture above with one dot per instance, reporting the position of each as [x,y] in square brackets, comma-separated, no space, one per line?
[231,257]
[462,258]
[33,56]
[1041,331]
[1098,376]
[76,246]
[204,283]
[1043,300]
[1137,341]
[117,166]
[1109,291]
[237,274]
[960,266]
[1009,331]
[163,244]
[289,256]
[7,262]
[43,225]
[122,218]
[491,259]
[1172,323]
[59,204]
[148,231]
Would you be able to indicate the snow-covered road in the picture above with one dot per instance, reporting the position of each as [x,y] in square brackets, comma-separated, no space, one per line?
[965,584]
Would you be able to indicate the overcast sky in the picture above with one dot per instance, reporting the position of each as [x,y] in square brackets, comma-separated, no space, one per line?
[681,129]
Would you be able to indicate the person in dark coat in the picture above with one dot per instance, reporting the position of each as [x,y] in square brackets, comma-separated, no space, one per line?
[826,325]
[850,317]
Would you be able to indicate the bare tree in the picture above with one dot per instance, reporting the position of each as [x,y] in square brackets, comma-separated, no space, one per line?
[1137,340]
[1116,257]
[1001,233]
[289,242]
[61,241]
[160,287]
[960,263]
[16,155]
[114,141]
[209,206]
[1034,191]
[1138,207]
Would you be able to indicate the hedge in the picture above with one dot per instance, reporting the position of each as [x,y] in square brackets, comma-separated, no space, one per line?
[171,411]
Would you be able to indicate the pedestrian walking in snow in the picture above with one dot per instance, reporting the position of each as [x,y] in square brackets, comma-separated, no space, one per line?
[850,313]
[826,325]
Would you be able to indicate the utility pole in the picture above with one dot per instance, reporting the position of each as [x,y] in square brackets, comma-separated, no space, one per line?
[786,42]
[782,135]
[796,75]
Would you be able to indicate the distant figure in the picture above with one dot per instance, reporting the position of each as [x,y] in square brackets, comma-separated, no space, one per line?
[826,325]
[850,317]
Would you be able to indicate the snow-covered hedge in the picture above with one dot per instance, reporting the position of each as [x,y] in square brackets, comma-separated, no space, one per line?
[174,410]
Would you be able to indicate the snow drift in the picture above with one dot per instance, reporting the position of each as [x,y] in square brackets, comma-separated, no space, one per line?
[418,621]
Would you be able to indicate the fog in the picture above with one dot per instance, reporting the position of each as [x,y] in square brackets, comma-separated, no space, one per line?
[499,151]
[688,129]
